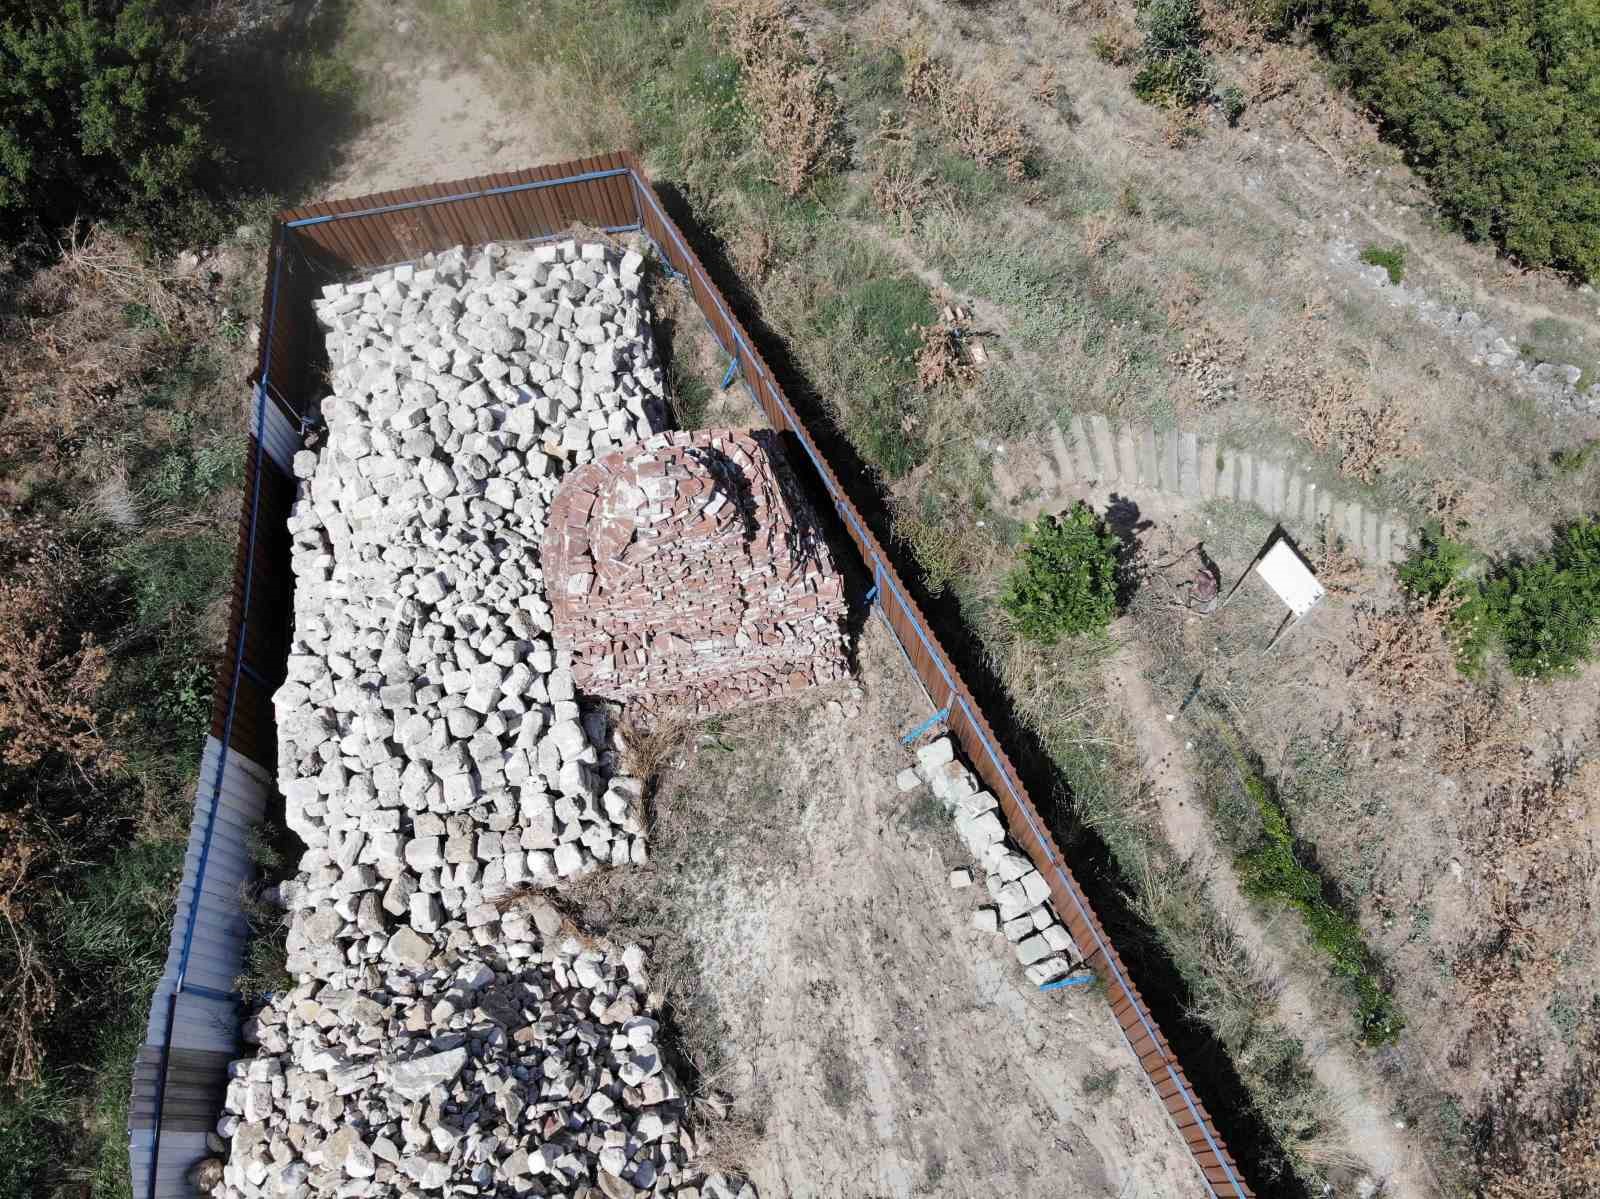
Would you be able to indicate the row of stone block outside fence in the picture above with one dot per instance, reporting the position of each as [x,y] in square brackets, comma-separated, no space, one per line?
[1090,451]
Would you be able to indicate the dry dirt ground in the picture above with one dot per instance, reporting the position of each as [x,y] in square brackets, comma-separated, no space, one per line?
[883,1046]
[826,976]
[442,122]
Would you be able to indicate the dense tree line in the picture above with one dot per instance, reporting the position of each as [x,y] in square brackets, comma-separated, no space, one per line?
[1495,102]
[97,111]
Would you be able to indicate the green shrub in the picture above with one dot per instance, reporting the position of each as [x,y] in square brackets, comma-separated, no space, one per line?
[1178,80]
[1391,258]
[1175,73]
[1549,609]
[169,576]
[1271,869]
[1494,105]
[1543,613]
[1436,564]
[1233,103]
[96,112]
[1570,462]
[1066,582]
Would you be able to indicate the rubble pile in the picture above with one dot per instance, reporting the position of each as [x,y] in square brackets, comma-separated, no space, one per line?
[530,1069]
[446,1035]
[1021,908]
[688,573]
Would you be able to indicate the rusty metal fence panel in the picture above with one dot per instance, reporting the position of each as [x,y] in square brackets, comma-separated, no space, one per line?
[609,192]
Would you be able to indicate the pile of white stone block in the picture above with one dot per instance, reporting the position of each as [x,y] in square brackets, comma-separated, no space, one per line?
[1021,898]
[446,1034]
[431,748]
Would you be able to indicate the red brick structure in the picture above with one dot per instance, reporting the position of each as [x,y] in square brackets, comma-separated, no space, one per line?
[687,573]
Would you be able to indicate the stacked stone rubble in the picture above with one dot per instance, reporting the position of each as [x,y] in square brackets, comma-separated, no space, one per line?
[530,1068]
[1021,905]
[444,1036]
[688,573]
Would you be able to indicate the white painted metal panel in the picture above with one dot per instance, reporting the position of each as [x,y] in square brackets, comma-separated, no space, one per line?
[1290,578]
[278,434]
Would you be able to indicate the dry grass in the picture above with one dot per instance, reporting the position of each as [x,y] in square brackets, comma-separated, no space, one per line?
[1101,231]
[940,359]
[1180,127]
[67,342]
[648,749]
[898,189]
[51,674]
[1335,410]
[1210,365]
[1561,1159]
[801,121]
[1401,653]
[28,992]
[972,112]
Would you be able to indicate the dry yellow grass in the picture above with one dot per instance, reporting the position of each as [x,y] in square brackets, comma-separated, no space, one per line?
[802,124]
[971,111]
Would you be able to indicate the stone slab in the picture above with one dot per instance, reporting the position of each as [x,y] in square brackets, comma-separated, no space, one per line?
[1105,454]
[1294,497]
[1323,510]
[1269,488]
[1206,468]
[1354,516]
[1149,471]
[1168,444]
[1065,473]
[1228,476]
[1400,545]
[1082,455]
[1188,464]
[1127,457]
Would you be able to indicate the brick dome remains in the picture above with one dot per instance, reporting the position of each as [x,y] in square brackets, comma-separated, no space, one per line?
[687,574]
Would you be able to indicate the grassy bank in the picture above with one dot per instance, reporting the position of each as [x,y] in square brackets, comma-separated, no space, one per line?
[120,461]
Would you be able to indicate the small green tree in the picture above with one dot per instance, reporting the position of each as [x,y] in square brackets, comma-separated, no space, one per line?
[1438,563]
[96,113]
[1066,582]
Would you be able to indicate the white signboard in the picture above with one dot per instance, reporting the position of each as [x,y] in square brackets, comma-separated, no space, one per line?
[1287,574]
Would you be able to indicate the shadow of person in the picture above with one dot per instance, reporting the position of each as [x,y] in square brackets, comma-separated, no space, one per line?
[1122,517]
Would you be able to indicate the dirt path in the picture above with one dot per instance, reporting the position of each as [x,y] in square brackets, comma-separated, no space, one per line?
[890,1049]
[442,124]
[1391,1155]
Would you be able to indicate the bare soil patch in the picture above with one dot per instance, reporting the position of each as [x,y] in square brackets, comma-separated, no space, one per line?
[828,980]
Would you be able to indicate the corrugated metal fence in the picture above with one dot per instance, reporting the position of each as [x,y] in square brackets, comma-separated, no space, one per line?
[178,1082]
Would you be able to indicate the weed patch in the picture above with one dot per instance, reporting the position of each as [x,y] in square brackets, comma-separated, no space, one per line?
[971,112]
[1543,612]
[1174,72]
[1271,869]
[800,120]
[1391,258]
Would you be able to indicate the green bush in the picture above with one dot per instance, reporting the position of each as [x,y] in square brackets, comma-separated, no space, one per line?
[1175,73]
[1543,612]
[1494,104]
[1066,582]
[1436,564]
[96,114]
[1271,869]
[1233,103]
[1391,258]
